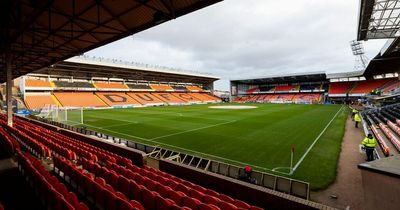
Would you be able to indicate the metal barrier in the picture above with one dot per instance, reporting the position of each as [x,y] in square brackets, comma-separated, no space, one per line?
[271,181]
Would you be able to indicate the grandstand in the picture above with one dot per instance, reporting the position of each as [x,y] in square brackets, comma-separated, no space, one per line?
[301,88]
[40,89]
[310,88]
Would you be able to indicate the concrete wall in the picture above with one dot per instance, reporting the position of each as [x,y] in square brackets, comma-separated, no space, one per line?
[381,191]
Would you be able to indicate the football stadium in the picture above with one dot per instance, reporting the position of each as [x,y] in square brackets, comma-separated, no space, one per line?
[87,132]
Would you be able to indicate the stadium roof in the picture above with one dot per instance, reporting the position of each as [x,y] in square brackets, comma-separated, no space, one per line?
[84,67]
[299,77]
[36,34]
[378,19]
[383,63]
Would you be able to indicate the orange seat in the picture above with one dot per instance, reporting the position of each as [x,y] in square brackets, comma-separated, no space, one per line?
[39,101]
[116,99]
[79,99]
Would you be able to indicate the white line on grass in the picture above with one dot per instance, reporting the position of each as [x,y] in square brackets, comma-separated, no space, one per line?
[194,129]
[315,141]
[172,114]
[106,118]
[117,125]
[111,131]
[192,151]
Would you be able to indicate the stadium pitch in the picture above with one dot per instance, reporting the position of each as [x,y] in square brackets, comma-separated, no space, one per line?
[260,137]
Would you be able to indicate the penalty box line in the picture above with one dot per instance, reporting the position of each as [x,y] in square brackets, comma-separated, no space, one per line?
[314,142]
[193,151]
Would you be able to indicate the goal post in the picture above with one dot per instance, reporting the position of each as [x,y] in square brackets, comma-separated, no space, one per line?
[70,115]
[67,115]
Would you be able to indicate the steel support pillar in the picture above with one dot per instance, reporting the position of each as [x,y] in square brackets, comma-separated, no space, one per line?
[9,92]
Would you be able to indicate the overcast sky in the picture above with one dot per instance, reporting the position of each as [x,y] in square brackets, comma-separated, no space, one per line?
[251,38]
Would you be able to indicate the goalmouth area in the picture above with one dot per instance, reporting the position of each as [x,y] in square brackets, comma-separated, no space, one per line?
[260,135]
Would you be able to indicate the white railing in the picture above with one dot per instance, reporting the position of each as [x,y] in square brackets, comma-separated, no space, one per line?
[139,65]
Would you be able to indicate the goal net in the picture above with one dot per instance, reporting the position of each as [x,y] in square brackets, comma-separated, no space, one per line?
[67,115]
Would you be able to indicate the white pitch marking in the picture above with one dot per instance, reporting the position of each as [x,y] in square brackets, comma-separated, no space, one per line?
[111,131]
[315,141]
[195,129]
[189,150]
[110,126]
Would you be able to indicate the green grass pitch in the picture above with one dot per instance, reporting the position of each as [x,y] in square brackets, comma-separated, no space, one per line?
[259,137]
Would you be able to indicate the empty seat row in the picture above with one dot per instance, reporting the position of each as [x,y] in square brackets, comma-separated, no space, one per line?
[299,97]
[94,189]
[54,194]
[56,140]
[162,183]
[10,143]
[29,143]
[145,185]
[149,191]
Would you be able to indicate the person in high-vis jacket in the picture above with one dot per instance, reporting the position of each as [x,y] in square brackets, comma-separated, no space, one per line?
[357,119]
[353,112]
[369,143]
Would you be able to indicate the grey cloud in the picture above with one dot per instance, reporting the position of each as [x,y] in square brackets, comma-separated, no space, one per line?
[237,38]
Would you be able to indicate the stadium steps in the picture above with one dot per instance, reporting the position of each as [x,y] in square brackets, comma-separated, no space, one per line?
[105,103]
[353,85]
[391,134]
[380,129]
[56,100]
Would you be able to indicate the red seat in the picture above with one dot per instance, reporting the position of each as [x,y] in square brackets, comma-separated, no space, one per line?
[211,200]
[123,204]
[123,171]
[124,185]
[133,168]
[139,179]
[98,194]
[62,189]
[176,196]
[152,176]
[163,204]
[110,200]
[192,203]
[183,189]
[226,198]
[151,185]
[149,198]
[89,186]
[120,195]
[188,184]
[105,173]
[163,190]
[204,206]
[211,192]
[113,177]
[175,207]
[73,200]
[172,184]
[136,191]
[255,208]
[97,169]
[162,180]
[196,194]
[100,181]
[131,175]
[226,206]
[136,205]
[241,204]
